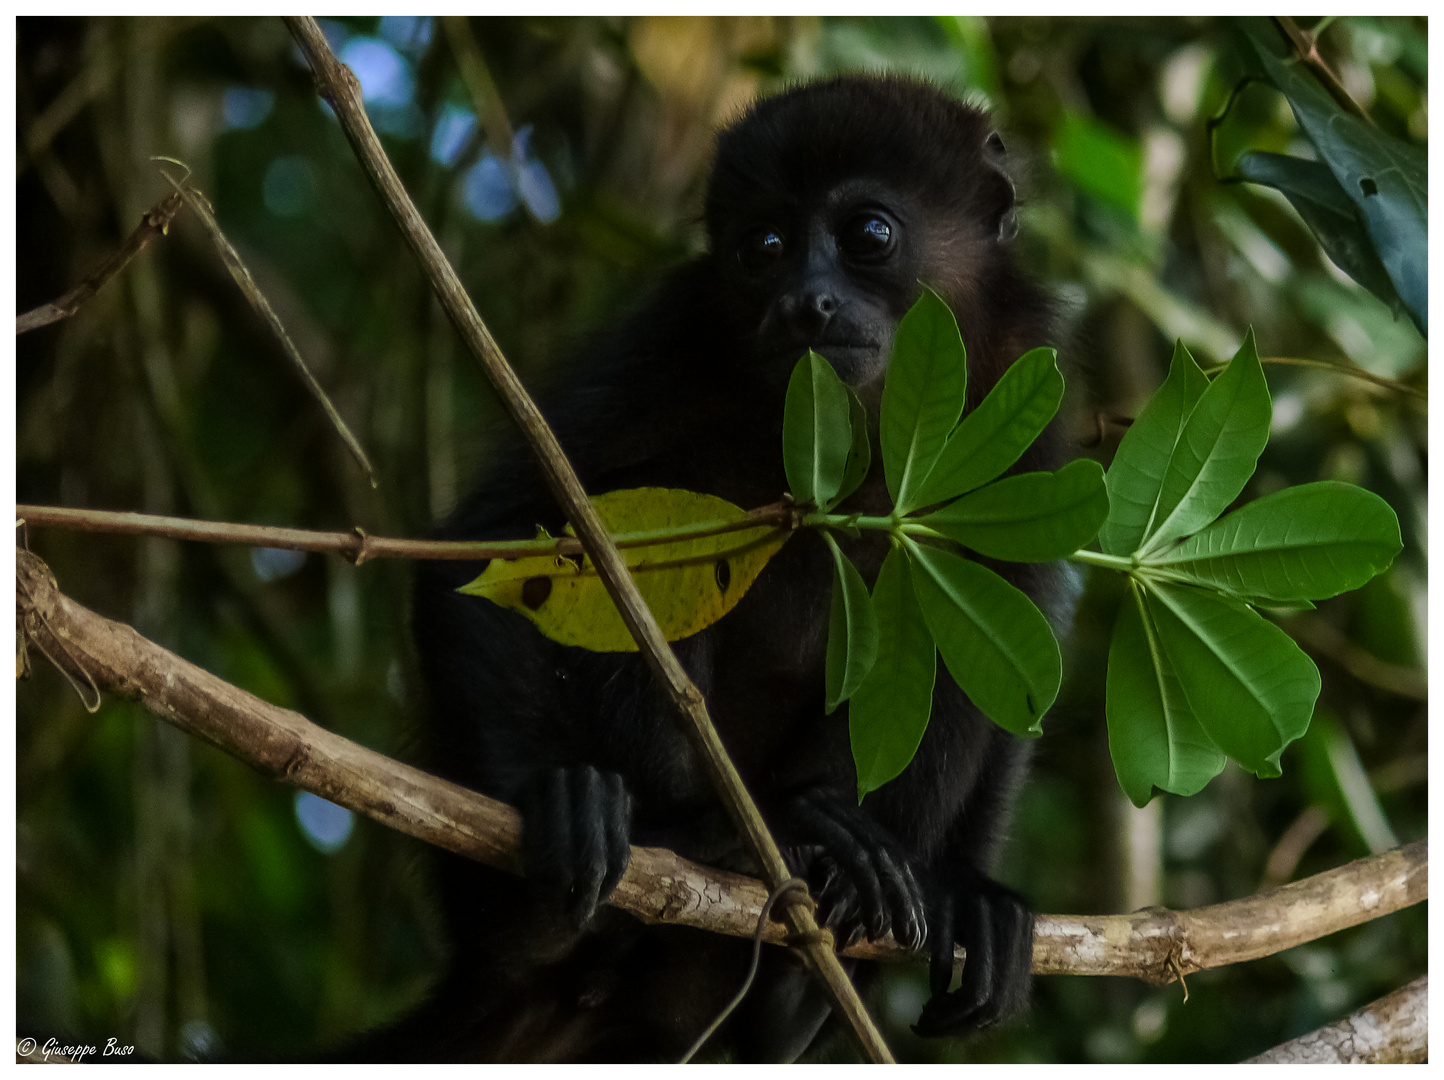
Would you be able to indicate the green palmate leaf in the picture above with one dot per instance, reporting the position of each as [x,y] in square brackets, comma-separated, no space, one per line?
[996,643]
[1251,688]
[689,584]
[859,458]
[1217,450]
[851,630]
[1153,736]
[1386,178]
[1136,476]
[889,712]
[1328,212]
[995,434]
[1302,543]
[922,397]
[816,435]
[1035,517]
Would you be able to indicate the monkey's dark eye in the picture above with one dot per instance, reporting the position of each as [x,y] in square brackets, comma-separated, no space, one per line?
[867,236]
[762,248]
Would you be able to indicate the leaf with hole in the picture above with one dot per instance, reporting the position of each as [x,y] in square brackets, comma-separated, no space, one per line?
[1328,212]
[688,584]
[1386,178]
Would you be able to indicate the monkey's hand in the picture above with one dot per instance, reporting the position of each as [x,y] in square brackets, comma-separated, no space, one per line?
[857,872]
[576,832]
[995,926]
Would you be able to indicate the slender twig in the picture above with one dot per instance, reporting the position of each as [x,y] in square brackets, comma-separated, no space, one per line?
[1154,944]
[360,547]
[1336,369]
[1306,46]
[485,98]
[1323,638]
[153,223]
[1393,1030]
[339,86]
[66,106]
[201,207]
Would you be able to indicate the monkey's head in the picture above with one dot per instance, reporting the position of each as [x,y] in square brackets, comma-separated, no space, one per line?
[830,202]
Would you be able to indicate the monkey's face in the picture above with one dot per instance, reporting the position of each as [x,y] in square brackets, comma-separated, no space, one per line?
[832,273]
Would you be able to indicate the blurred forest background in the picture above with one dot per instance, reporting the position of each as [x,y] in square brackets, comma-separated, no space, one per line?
[169,896]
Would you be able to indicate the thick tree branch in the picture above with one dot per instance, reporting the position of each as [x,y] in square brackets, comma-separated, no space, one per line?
[338,85]
[1154,944]
[1392,1031]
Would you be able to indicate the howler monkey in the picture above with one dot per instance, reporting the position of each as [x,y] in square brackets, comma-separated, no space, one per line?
[827,206]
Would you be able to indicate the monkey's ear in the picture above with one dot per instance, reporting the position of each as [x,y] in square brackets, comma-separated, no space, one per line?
[1004,212]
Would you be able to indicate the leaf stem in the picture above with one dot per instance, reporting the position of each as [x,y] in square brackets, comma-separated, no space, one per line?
[1121,563]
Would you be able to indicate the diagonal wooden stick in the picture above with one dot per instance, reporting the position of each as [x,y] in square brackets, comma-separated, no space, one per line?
[338,85]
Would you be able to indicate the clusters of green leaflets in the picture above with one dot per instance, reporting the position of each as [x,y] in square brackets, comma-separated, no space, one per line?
[942,472]
[1366,198]
[1194,672]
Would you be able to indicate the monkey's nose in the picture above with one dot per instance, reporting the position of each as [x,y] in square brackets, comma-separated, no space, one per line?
[808,312]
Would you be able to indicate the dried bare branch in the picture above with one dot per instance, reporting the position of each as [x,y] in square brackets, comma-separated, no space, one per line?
[1392,1031]
[1155,944]
[360,547]
[339,86]
[153,223]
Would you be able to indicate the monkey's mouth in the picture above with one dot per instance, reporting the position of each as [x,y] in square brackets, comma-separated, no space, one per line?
[841,353]
[854,361]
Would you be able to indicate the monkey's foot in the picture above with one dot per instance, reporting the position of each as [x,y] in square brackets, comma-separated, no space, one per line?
[995,926]
[576,832]
[859,875]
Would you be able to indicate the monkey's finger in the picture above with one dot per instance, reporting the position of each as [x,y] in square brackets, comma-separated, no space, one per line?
[904,906]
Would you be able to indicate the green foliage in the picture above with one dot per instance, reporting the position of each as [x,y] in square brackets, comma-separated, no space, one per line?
[922,398]
[1101,161]
[1034,517]
[816,432]
[996,643]
[851,630]
[994,435]
[1192,657]
[1384,181]
[1195,673]
[889,711]
[178,410]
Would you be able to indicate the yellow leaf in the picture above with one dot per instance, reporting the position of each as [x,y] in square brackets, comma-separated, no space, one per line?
[689,584]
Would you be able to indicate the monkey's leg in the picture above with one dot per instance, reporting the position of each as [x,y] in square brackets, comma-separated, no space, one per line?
[576,832]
